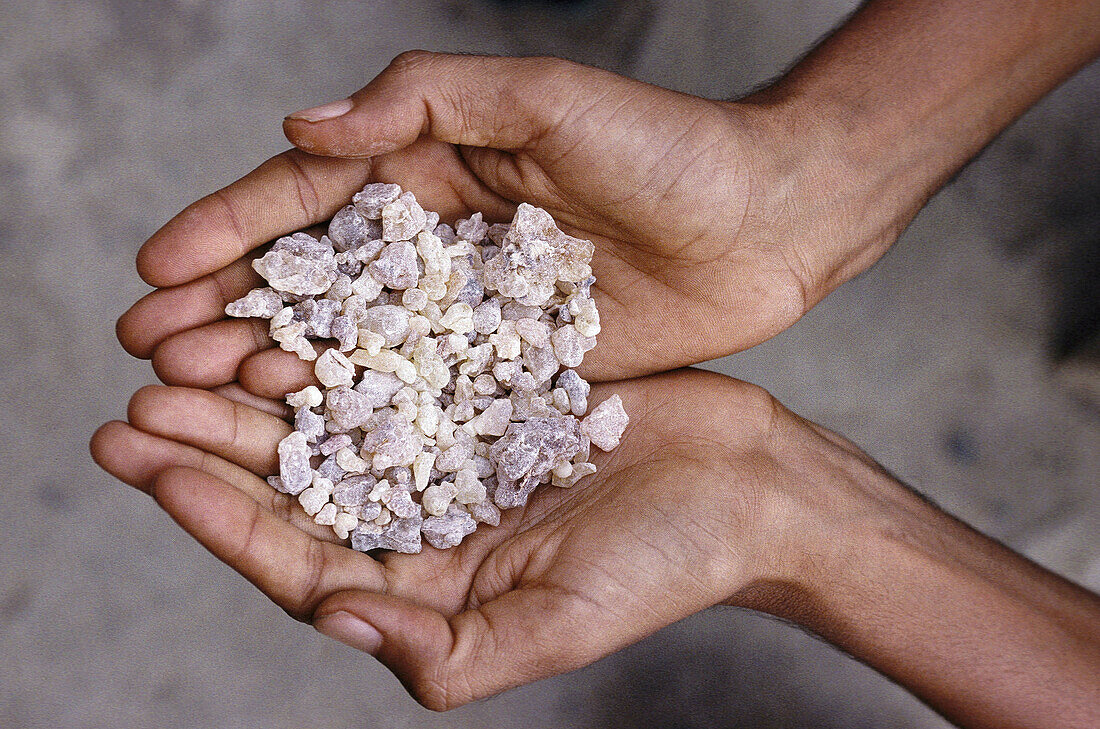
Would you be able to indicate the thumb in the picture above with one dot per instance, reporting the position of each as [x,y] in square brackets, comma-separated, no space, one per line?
[479,101]
[520,637]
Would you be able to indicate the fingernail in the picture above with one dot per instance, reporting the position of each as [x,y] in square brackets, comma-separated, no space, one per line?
[350,630]
[323,112]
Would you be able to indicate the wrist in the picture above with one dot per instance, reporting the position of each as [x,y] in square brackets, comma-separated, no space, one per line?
[830,188]
[830,512]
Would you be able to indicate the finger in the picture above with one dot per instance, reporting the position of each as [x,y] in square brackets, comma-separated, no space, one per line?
[482,101]
[288,192]
[238,433]
[442,181]
[520,637]
[293,569]
[136,458]
[210,355]
[233,391]
[272,373]
[165,312]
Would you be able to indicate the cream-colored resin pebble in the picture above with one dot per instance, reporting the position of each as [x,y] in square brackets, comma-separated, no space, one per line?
[312,500]
[437,498]
[327,515]
[310,397]
[343,523]
[334,369]
[347,459]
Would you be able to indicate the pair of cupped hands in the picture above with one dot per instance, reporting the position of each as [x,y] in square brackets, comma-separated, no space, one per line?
[716,224]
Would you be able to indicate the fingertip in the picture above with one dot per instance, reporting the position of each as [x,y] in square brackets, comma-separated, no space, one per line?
[144,402]
[414,642]
[103,440]
[129,336]
[322,113]
[273,373]
[147,268]
[130,455]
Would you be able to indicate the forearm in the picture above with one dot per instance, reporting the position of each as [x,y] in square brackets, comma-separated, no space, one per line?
[906,92]
[981,634]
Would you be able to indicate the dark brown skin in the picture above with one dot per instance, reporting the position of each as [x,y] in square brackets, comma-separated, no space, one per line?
[717,225]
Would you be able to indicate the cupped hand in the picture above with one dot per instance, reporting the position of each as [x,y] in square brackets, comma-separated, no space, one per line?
[709,230]
[684,514]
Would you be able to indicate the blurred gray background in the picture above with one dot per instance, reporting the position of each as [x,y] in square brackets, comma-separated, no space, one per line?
[960,361]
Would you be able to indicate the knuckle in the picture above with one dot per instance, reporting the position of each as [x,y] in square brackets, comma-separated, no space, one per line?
[308,197]
[143,402]
[758,406]
[282,506]
[410,60]
[312,590]
[431,693]
[237,222]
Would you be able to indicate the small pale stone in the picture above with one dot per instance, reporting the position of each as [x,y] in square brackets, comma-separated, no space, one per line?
[604,426]
[400,503]
[353,490]
[334,369]
[494,419]
[343,523]
[535,332]
[472,229]
[422,469]
[348,229]
[506,341]
[345,332]
[373,198]
[486,512]
[392,322]
[284,317]
[414,299]
[485,384]
[468,488]
[309,424]
[569,346]
[371,342]
[327,515]
[308,397]
[577,389]
[437,498]
[576,473]
[367,286]
[380,491]
[350,462]
[448,530]
[312,500]
[541,362]
[264,303]
[303,275]
[402,219]
[459,318]
[487,317]
[379,387]
[385,360]
[294,470]
[396,266]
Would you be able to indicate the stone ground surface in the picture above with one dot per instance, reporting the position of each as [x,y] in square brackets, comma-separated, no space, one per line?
[118,113]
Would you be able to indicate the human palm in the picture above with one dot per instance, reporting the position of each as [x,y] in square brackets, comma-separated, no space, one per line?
[660,181]
[666,527]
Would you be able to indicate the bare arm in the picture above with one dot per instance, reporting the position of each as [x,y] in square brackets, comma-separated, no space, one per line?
[981,634]
[902,96]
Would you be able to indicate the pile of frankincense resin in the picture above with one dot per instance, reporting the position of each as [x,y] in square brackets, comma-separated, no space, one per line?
[449,391]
